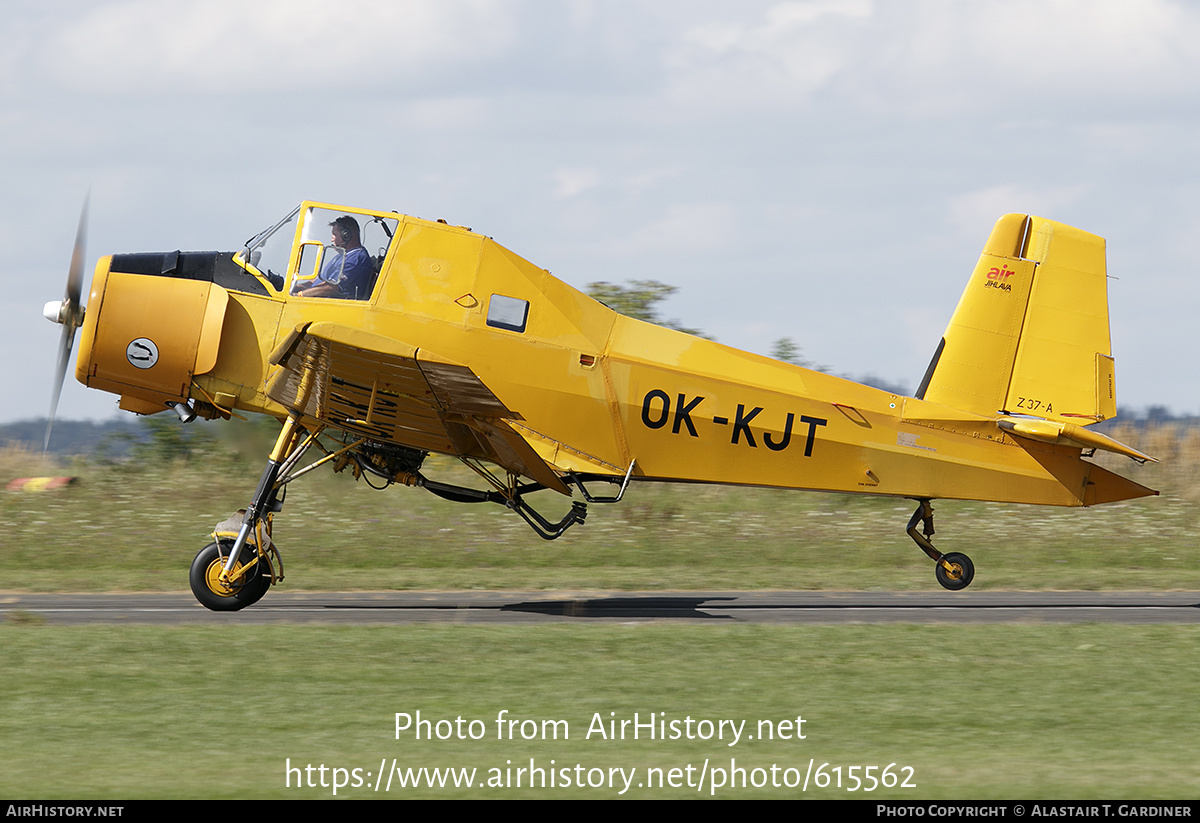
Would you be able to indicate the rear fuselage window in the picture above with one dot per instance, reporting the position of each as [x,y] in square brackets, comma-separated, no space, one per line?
[507,313]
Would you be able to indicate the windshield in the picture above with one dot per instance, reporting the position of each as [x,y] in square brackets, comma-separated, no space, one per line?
[339,252]
[269,250]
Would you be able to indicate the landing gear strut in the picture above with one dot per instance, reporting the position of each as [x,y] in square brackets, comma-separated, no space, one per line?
[229,575]
[954,570]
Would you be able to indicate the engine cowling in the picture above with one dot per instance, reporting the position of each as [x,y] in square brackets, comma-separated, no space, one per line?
[145,334]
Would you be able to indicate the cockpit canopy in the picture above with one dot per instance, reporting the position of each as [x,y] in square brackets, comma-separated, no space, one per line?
[334,251]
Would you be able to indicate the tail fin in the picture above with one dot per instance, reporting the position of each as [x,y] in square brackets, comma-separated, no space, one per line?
[1030,334]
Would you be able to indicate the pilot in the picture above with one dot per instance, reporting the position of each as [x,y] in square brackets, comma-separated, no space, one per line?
[347,270]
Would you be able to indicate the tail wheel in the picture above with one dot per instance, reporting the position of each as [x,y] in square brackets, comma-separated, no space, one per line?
[960,573]
[205,577]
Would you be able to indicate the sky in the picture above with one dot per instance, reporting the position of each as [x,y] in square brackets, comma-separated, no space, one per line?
[826,171]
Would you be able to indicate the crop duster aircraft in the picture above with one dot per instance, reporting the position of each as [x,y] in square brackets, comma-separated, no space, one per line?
[378,339]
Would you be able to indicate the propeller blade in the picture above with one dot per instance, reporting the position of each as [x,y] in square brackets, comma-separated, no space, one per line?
[71,316]
[64,359]
[75,274]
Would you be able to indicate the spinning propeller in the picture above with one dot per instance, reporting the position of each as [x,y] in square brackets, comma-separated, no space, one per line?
[68,312]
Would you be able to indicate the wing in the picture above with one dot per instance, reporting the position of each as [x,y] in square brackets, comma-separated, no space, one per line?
[392,392]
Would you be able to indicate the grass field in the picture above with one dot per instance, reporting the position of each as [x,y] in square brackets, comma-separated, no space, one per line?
[975,712]
[999,711]
[127,528]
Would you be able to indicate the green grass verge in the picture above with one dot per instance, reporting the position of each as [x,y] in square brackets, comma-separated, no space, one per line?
[1014,711]
[977,711]
[137,528]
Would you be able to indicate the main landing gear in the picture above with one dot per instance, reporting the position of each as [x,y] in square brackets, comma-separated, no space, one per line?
[242,563]
[244,586]
[954,570]
[236,570]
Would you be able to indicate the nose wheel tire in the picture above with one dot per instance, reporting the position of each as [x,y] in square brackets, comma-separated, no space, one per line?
[959,575]
[205,577]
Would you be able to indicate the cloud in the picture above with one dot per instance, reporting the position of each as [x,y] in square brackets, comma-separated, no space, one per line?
[971,211]
[940,58]
[229,46]
[683,230]
[795,50]
[572,181]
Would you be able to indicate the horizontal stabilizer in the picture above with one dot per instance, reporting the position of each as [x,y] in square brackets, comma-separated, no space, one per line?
[1070,434]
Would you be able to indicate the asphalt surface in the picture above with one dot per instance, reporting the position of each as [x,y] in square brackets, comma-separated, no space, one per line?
[395,608]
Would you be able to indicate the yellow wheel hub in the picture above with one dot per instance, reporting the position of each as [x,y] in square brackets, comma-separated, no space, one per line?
[212,578]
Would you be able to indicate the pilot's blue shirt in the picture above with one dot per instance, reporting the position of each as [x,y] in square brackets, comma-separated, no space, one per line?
[350,272]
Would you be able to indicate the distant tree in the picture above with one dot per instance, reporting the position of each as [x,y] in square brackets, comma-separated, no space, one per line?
[165,438]
[1159,414]
[786,349]
[884,384]
[638,299]
[71,437]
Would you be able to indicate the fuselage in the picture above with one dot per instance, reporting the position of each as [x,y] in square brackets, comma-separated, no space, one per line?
[595,391]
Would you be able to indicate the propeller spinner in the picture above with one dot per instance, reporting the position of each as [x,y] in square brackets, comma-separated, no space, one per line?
[69,313]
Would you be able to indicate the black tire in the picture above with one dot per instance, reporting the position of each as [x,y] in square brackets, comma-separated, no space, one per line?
[966,572]
[206,586]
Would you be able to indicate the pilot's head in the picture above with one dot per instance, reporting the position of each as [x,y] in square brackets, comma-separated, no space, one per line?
[345,232]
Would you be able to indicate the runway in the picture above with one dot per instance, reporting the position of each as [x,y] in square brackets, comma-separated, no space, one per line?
[483,608]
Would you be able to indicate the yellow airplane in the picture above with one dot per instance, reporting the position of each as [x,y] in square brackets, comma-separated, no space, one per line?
[378,338]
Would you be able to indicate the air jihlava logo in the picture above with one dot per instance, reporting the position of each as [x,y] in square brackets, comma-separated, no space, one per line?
[998,278]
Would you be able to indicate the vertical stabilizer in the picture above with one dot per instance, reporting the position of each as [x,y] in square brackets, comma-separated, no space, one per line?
[1030,334]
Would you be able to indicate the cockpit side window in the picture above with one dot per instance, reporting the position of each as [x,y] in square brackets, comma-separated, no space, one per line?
[341,253]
